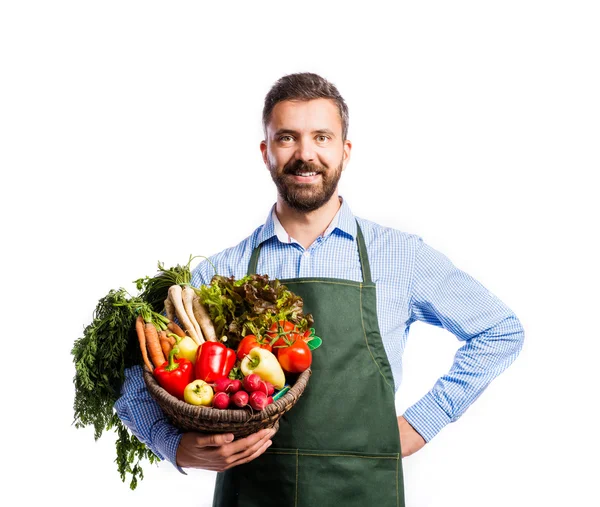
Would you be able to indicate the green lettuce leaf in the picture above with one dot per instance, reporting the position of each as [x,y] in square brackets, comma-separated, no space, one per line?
[250,305]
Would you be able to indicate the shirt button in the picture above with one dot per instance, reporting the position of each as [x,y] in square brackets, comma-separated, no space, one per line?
[306,253]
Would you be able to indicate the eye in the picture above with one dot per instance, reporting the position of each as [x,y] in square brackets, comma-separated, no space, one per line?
[285,138]
[322,138]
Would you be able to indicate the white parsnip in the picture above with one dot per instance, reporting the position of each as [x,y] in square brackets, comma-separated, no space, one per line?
[175,295]
[187,294]
[203,319]
[169,309]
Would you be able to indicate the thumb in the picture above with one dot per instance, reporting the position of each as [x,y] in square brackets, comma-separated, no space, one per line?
[216,440]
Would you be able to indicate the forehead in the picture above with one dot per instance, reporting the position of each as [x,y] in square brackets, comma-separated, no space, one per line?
[306,115]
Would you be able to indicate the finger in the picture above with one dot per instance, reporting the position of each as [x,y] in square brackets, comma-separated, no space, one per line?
[244,443]
[220,458]
[214,440]
[249,451]
[252,456]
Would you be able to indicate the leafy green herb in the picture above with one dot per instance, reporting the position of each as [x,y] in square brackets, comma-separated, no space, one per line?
[250,305]
[108,346]
[154,290]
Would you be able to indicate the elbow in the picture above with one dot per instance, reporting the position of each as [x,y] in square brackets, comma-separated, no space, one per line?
[519,334]
[512,336]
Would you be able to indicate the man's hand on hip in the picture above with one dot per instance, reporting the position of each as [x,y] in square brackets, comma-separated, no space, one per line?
[410,440]
[218,452]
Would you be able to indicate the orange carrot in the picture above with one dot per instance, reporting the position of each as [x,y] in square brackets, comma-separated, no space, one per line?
[165,342]
[154,349]
[139,327]
[174,328]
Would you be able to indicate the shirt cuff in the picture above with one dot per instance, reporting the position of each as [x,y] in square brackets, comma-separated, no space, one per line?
[167,440]
[427,417]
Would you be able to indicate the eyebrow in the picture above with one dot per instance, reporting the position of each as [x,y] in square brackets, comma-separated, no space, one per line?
[290,131]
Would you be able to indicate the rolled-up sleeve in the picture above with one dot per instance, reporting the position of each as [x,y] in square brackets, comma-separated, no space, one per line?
[445,296]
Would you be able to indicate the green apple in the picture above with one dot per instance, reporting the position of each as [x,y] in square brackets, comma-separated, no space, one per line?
[198,392]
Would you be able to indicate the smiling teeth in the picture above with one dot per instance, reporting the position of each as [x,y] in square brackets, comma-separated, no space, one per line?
[307,174]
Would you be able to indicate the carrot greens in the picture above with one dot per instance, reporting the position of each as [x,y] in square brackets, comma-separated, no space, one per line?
[109,345]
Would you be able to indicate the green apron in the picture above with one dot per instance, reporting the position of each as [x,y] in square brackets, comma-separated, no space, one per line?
[339,445]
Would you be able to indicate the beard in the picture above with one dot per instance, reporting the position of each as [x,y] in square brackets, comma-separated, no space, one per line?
[305,197]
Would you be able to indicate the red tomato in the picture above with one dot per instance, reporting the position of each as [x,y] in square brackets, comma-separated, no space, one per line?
[296,358]
[284,330]
[279,328]
[248,343]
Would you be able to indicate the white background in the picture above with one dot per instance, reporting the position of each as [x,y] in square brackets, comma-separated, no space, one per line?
[129,134]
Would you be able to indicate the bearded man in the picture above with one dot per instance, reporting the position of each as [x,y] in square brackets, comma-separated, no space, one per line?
[365,284]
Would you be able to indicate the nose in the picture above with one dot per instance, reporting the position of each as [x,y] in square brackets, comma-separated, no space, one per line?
[305,151]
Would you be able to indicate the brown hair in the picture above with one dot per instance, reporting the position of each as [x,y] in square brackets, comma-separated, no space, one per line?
[304,86]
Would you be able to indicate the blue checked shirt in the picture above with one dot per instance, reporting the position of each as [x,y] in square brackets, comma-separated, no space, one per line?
[413,281]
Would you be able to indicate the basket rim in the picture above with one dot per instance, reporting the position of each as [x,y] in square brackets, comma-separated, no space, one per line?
[243,415]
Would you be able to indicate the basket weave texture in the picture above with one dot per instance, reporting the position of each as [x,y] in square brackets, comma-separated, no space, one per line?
[241,422]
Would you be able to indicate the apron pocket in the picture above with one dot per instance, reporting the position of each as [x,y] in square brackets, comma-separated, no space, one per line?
[268,481]
[351,479]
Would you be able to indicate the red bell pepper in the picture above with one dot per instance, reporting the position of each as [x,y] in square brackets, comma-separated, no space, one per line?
[214,360]
[173,375]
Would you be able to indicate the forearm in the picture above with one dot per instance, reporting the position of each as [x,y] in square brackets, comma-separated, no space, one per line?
[445,296]
[144,418]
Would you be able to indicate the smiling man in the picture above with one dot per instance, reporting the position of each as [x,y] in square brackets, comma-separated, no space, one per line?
[305,161]
[365,284]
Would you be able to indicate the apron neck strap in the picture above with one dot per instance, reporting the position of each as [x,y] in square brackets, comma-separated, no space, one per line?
[362,254]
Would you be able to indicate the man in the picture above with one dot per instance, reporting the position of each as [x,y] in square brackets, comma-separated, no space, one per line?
[365,285]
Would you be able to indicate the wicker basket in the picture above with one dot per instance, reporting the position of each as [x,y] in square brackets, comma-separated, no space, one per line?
[240,422]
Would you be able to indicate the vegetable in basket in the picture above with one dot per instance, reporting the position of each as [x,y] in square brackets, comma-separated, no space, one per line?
[198,392]
[175,374]
[214,360]
[188,348]
[250,304]
[265,365]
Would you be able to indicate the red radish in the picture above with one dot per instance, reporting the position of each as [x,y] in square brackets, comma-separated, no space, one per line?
[222,385]
[269,400]
[235,386]
[258,400]
[221,400]
[270,388]
[251,382]
[263,388]
[240,399]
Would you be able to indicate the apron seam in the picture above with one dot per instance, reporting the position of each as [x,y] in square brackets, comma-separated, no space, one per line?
[397,488]
[348,456]
[350,283]
[296,492]
[362,320]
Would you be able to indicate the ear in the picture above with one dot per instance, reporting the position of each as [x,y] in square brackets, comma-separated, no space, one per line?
[263,150]
[346,155]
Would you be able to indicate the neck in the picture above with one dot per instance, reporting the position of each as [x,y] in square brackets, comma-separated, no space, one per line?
[307,227]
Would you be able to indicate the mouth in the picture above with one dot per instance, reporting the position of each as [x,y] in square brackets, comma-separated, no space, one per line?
[304,177]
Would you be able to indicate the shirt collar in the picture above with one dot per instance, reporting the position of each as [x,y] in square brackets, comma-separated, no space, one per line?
[343,222]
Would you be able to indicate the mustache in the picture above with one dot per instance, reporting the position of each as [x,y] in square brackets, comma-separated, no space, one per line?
[301,165]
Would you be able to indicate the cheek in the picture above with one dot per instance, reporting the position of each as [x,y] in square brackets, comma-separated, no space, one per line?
[333,157]
[279,158]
